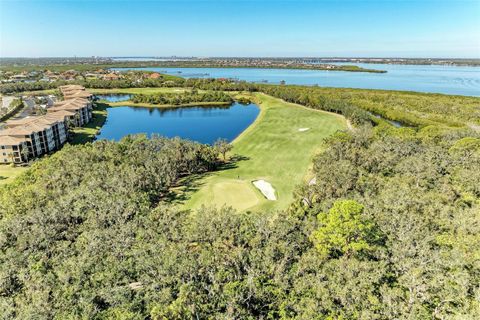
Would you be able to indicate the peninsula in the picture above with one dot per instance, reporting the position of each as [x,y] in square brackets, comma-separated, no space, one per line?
[61,64]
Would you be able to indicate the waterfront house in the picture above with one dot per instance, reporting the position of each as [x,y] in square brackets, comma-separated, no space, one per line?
[155,75]
[111,76]
[18,78]
[70,74]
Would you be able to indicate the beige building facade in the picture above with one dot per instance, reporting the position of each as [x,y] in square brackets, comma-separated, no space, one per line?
[31,137]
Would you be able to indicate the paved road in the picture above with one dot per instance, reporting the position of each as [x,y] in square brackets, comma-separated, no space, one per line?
[27,110]
[6,100]
[29,105]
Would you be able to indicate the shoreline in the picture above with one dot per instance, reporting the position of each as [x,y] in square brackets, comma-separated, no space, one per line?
[345,68]
[129,103]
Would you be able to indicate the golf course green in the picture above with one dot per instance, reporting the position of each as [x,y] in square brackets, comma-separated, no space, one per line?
[278,148]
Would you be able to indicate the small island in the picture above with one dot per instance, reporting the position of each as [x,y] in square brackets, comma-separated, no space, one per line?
[82,64]
[250,63]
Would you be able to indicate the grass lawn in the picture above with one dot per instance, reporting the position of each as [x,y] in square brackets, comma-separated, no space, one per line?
[273,149]
[8,173]
[36,92]
[88,132]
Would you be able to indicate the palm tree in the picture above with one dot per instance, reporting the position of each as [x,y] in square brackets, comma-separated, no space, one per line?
[25,153]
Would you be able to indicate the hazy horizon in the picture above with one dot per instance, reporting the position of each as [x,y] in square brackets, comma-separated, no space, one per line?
[349,29]
[240,57]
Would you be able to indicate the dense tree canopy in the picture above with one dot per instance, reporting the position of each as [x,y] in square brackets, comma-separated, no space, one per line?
[423,197]
[388,230]
[91,232]
[343,231]
[359,105]
[182,98]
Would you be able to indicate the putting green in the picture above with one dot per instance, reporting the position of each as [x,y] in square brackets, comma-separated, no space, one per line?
[272,149]
[224,192]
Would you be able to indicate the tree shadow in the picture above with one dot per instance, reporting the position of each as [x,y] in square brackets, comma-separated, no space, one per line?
[232,163]
[188,185]
[81,136]
[185,187]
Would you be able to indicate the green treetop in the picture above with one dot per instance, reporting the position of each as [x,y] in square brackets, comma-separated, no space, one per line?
[343,230]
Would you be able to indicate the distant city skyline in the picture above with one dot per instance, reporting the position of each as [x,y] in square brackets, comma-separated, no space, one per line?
[382,28]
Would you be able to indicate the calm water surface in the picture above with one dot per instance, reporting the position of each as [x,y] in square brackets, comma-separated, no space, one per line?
[202,124]
[437,79]
[116,97]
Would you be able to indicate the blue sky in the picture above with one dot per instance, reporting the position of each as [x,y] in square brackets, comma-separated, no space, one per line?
[421,28]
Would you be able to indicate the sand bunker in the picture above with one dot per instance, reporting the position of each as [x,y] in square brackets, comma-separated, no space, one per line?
[266,189]
[303,129]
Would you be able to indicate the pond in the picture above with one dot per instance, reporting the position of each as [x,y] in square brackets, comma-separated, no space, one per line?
[422,78]
[396,124]
[201,124]
[114,97]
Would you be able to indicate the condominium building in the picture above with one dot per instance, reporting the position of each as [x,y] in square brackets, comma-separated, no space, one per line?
[11,149]
[82,109]
[31,137]
[39,135]
[69,87]
[78,94]
[75,91]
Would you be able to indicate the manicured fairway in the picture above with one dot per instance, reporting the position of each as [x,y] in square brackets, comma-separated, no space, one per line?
[274,150]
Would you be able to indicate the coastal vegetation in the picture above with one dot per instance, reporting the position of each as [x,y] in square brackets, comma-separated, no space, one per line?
[10,88]
[411,108]
[376,222]
[191,63]
[88,64]
[182,98]
[163,82]
[146,91]
[388,230]
[258,64]
[415,236]
[359,105]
